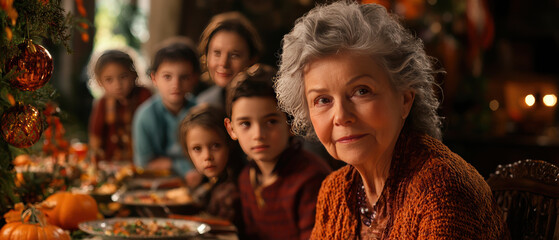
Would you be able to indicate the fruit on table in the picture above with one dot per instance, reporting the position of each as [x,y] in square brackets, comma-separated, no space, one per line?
[32,231]
[30,225]
[67,210]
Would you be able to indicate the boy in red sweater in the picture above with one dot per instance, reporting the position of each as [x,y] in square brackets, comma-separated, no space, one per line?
[279,187]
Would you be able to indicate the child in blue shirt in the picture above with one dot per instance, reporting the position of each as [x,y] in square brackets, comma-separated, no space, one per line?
[175,72]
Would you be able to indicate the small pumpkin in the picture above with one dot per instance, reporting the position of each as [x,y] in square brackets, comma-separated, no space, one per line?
[67,210]
[31,226]
[32,231]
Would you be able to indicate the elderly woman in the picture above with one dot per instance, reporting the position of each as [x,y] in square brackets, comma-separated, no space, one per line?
[351,75]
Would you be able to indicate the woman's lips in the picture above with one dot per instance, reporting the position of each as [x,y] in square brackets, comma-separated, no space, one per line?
[223,74]
[350,138]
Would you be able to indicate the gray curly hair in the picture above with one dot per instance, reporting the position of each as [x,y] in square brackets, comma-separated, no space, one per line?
[369,29]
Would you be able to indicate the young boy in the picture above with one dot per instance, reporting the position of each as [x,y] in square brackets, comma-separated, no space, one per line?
[175,72]
[280,185]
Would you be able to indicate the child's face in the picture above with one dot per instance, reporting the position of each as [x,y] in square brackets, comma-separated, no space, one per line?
[174,80]
[228,54]
[116,80]
[208,150]
[260,127]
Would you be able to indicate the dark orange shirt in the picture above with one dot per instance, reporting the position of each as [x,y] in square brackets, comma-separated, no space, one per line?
[431,193]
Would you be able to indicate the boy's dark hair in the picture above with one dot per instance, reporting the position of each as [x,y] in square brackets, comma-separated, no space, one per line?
[256,81]
[175,52]
[114,56]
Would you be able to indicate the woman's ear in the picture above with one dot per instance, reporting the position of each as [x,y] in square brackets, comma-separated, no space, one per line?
[409,96]
[229,128]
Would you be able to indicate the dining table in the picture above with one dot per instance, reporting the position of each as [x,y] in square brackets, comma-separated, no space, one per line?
[130,201]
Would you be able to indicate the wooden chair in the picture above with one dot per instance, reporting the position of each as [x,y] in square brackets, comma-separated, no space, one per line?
[528,193]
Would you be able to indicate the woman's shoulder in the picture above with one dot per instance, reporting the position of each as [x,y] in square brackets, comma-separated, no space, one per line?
[446,190]
[445,171]
[212,95]
[339,179]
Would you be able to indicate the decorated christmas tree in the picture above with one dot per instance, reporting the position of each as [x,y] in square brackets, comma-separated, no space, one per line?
[26,68]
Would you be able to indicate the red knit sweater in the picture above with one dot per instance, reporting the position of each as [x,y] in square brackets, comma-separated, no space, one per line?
[432,193]
[285,209]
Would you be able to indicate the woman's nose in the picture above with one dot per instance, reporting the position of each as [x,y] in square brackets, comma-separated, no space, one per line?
[224,60]
[344,115]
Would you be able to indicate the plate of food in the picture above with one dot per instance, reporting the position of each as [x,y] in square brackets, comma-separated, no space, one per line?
[160,203]
[144,228]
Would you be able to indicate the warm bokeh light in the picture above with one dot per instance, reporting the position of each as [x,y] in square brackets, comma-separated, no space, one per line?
[530,100]
[494,105]
[550,100]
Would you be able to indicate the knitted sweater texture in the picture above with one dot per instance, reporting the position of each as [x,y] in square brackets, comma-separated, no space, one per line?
[431,193]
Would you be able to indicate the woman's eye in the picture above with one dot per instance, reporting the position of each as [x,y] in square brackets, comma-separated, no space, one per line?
[216,146]
[235,55]
[244,124]
[321,101]
[196,149]
[167,77]
[217,53]
[361,91]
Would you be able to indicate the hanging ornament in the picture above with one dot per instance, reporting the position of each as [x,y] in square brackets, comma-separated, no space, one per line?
[34,65]
[21,125]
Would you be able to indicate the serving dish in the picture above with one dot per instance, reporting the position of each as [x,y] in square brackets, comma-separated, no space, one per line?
[111,229]
[160,203]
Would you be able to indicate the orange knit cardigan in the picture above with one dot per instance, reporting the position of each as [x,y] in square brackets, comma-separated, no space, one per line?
[432,193]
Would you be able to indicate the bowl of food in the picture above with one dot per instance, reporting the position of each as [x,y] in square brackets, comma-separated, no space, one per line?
[144,228]
[160,203]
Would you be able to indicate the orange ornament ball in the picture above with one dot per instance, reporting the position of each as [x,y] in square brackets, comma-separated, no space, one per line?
[33,66]
[21,125]
[67,210]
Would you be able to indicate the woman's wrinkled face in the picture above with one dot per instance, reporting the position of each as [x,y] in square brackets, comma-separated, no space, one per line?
[228,54]
[116,80]
[355,111]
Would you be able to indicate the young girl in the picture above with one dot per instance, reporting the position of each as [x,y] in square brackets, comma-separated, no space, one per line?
[204,138]
[229,44]
[110,123]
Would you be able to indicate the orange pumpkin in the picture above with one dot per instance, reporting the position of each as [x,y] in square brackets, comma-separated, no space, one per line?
[30,226]
[67,210]
[32,231]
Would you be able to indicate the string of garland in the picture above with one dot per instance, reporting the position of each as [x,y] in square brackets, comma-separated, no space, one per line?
[41,21]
